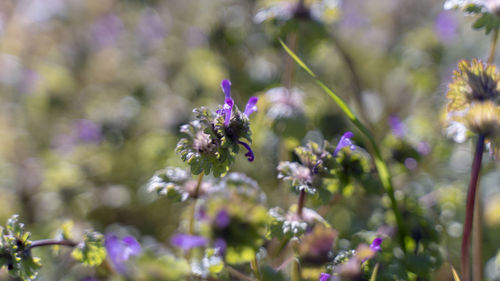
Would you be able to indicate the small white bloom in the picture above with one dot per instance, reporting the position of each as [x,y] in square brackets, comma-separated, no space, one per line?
[457,131]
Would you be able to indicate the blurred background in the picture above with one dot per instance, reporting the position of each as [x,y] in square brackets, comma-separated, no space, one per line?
[92,94]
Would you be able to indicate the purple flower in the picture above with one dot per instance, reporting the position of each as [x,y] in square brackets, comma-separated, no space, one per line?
[411,163]
[423,148]
[227,108]
[345,141]
[397,127]
[221,245]
[375,246]
[324,277]
[445,26]
[88,131]
[151,27]
[186,241]
[107,30]
[222,218]
[251,106]
[120,250]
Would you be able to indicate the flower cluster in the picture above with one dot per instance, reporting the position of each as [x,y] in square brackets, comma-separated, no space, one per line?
[315,163]
[347,265]
[290,224]
[325,11]
[211,141]
[473,96]
[15,251]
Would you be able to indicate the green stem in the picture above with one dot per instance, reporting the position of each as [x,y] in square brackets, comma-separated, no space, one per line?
[469,211]
[493,46]
[238,274]
[296,270]
[254,264]
[373,277]
[380,164]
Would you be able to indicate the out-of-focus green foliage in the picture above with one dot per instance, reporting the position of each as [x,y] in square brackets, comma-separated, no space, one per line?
[93,95]
[91,250]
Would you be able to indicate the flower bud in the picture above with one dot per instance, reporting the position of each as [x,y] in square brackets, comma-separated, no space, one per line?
[484,118]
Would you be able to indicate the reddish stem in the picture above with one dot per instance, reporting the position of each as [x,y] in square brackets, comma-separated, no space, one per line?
[302,199]
[469,215]
[52,242]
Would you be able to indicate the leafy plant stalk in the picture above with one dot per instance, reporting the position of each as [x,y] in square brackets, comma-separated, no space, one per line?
[380,164]
[469,215]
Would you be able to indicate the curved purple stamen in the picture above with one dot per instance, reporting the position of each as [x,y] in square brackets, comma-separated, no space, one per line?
[315,169]
[227,109]
[324,277]
[226,88]
[250,156]
[251,106]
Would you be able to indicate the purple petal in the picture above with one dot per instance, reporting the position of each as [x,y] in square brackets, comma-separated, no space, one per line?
[446,26]
[186,241]
[107,30]
[226,88]
[227,109]
[397,127]
[132,245]
[88,131]
[119,251]
[222,218]
[221,245]
[345,141]
[250,156]
[251,106]
[411,163]
[375,246]
[324,277]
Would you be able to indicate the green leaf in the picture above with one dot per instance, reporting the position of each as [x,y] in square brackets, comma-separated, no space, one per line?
[455,274]
[91,251]
[373,277]
[487,21]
